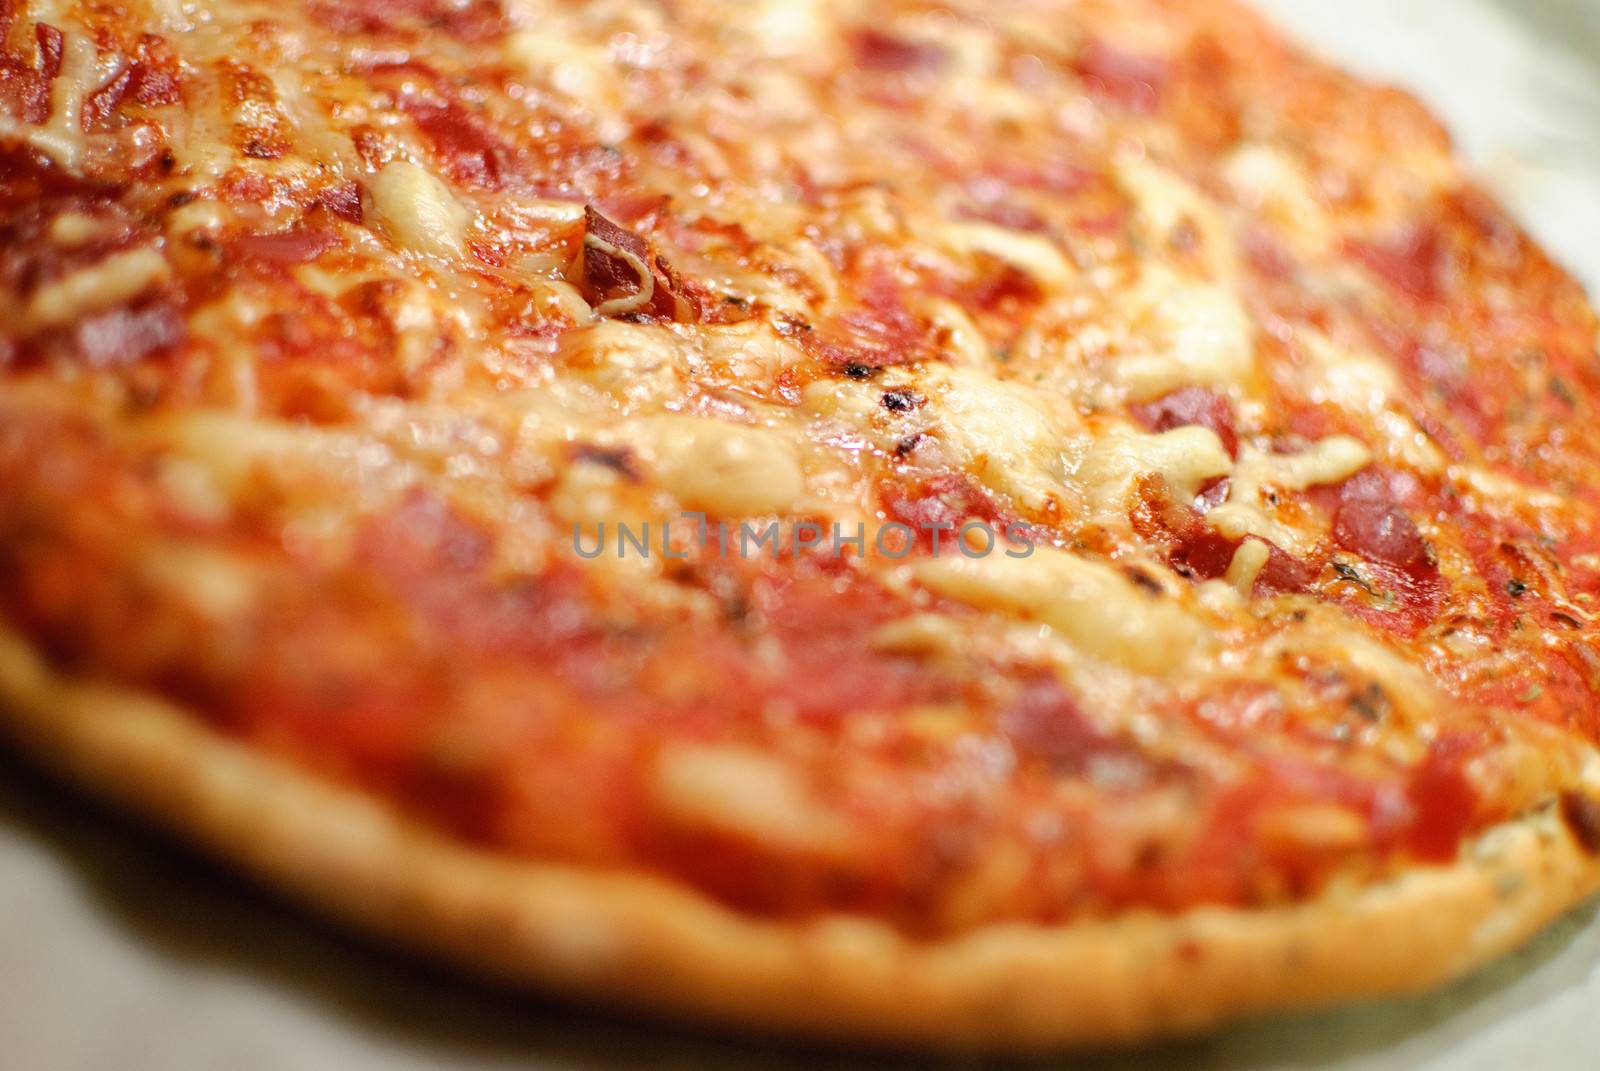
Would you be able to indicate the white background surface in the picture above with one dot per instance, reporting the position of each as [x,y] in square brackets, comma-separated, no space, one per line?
[118,951]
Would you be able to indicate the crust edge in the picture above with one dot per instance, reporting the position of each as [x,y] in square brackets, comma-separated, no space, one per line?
[642,942]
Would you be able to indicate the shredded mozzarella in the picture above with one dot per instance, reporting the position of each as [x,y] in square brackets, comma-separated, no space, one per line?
[1090,604]
[1037,256]
[1164,202]
[729,470]
[1198,334]
[61,136]
[1185,457]
[1264,177]
[1365,386]
[746,793]
[111,282]
[1248,512]
[1000,431]
[1246,566]
[419,211]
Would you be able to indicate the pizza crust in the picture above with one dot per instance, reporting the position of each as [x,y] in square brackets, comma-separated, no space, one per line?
[644,943]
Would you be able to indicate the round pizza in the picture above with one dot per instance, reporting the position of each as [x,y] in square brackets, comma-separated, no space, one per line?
[971,523]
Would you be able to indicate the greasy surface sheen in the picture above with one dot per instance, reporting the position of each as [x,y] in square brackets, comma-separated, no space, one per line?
[324,324]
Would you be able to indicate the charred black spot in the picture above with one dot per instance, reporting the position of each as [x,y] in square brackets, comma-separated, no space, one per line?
[904,447]
[618,459]
[1516,588]
[1372,702]
[857,370]
[1349,572]
[258,149]
[1144,581]
[1582,815]
[901,401]
[789,326]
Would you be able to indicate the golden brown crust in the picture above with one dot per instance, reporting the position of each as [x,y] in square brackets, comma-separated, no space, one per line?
[641,942]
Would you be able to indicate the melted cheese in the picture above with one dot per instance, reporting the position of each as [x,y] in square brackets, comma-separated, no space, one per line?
[1246,566]
[1164,204]
[73,229]
[1365,386]
[727,470]
[1002,432]
[1038,257]
[745,793]
[111,282]
[235,451]
[964,343]
[1248,510]
[635,363]
[1090,604]
[197,217]
[419,211]
[61,136]
[781,27]
[1197,333]
[1266,178]
[216,585]
[1185,457]
[583,74]
[1497,489]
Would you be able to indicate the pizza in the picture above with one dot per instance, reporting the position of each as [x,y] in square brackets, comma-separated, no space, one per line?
[970,524]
